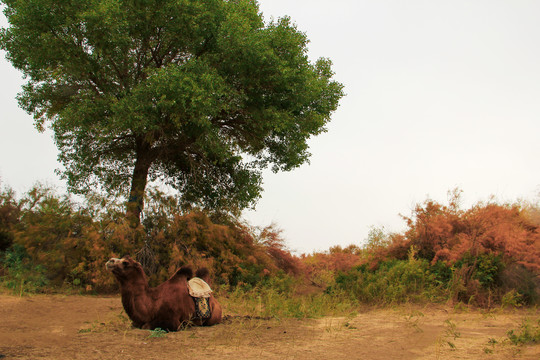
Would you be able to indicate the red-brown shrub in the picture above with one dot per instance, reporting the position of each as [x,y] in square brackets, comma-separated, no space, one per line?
[444,233]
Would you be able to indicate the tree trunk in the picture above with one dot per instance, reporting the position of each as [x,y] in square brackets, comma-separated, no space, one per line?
[139,180]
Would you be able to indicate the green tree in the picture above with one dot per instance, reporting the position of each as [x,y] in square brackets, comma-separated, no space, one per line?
[201,94]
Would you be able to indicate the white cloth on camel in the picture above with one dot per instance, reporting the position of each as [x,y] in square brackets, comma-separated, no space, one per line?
[199,288]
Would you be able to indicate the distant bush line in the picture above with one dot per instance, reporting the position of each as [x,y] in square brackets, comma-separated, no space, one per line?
[487,255]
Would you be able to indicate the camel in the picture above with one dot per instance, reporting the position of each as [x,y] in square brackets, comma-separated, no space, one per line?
[168,306]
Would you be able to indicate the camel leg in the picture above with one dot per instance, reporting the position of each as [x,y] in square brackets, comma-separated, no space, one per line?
[216,313]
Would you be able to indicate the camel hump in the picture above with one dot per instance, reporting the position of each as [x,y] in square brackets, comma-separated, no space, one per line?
[203,273]
[184,271]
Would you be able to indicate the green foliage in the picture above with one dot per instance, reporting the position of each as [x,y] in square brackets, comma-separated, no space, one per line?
[442,273]
[527,333]
[21,275]
[377,239]
[278,300]
[511,299]
[9,216]
[481,280]
[486,268]
[475,279]
[185,91]
[394,281]
[157,333]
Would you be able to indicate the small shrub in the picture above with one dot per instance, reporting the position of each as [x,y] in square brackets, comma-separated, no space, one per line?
[528,333]
[512,299]
[158,333]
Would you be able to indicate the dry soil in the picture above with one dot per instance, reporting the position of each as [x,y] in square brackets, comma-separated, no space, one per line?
[86,327]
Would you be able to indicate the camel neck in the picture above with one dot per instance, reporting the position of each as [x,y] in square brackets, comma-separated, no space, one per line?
[134,293]
[134,285]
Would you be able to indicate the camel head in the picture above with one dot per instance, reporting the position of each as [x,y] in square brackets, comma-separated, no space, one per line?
[124,268]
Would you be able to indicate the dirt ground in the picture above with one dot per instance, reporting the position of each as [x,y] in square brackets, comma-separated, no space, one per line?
[86,327]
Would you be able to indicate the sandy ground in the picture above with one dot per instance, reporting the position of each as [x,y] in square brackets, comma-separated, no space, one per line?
[85,327]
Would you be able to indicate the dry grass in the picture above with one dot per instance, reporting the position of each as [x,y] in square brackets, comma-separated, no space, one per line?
[79,327]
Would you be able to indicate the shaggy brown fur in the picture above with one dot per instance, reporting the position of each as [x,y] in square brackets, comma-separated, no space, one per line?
[167,306]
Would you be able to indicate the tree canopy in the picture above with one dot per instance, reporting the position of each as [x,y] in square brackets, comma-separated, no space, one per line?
[201,94]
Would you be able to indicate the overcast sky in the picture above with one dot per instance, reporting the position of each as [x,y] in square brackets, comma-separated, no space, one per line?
[440,94]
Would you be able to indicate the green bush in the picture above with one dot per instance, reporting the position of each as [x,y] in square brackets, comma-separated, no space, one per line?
[395,281]
[486,268]
[21,276]
[442,273]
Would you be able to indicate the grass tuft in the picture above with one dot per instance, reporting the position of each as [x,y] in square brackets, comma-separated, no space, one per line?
[527,333]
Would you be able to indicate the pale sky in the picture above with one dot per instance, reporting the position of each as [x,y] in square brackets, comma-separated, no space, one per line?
[440,94]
